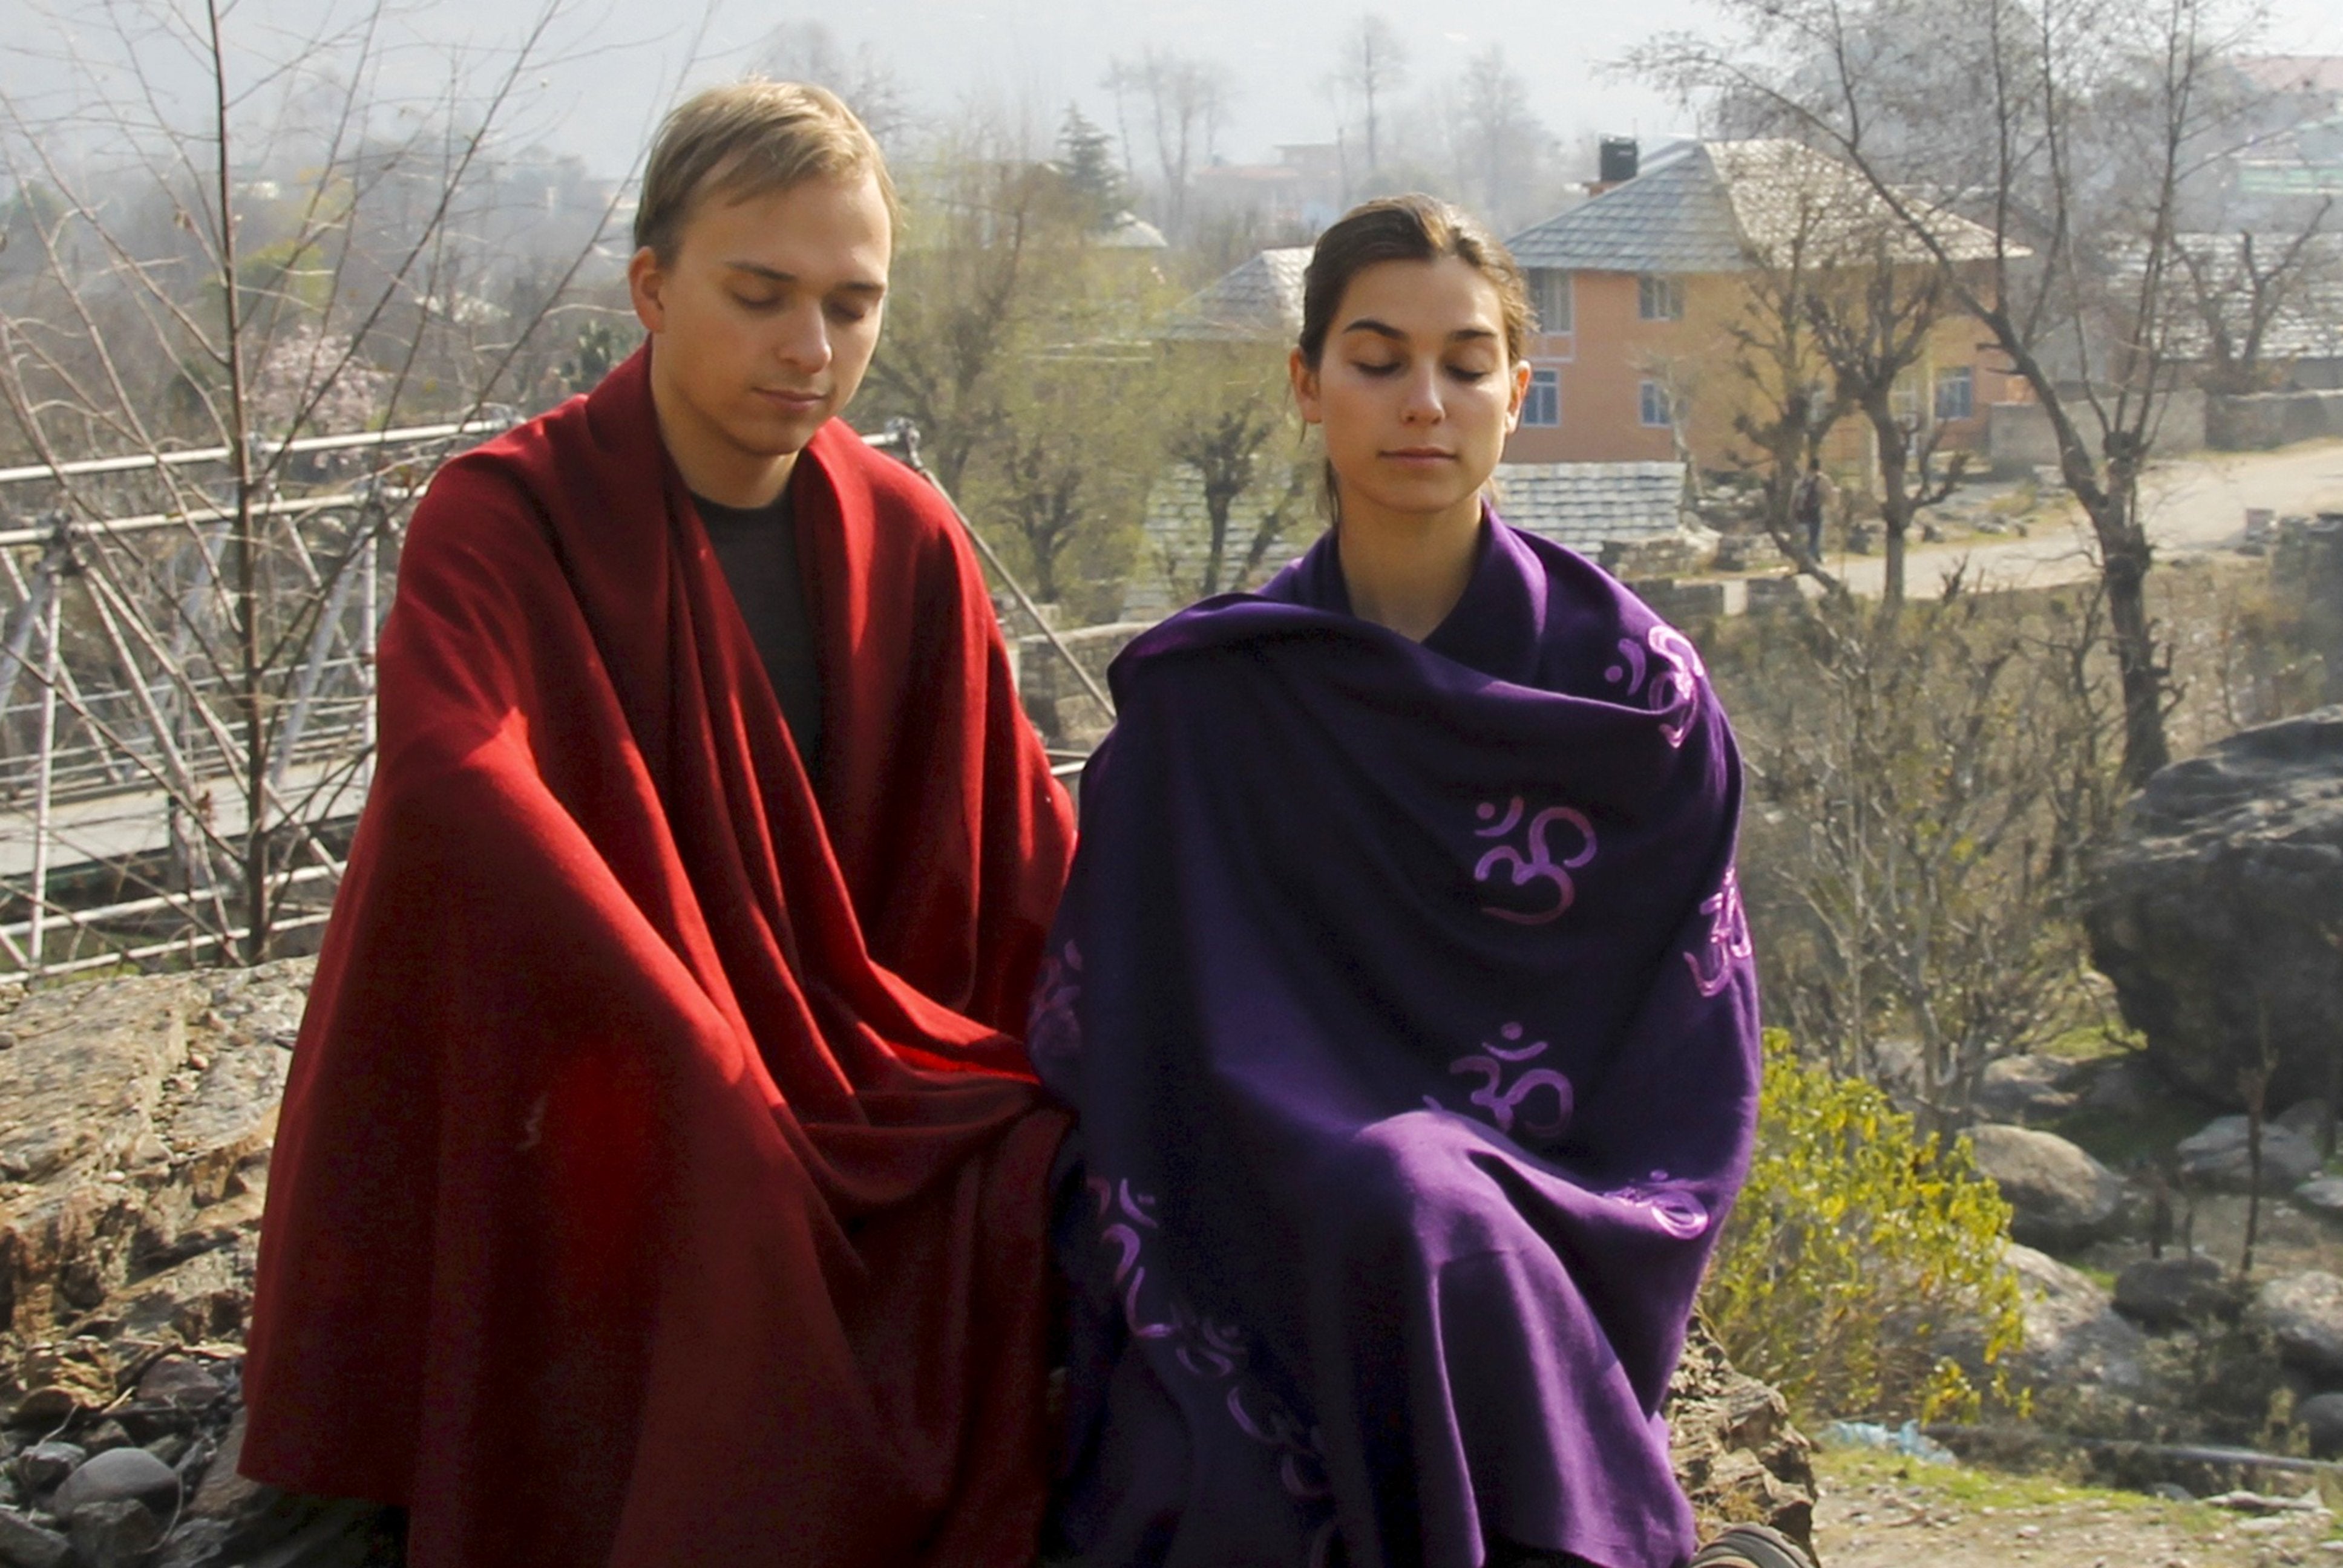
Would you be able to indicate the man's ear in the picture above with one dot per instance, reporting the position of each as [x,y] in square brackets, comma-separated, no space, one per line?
[1306,386]
[645,283]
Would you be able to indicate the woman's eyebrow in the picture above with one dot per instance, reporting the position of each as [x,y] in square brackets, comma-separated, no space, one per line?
[1384,329]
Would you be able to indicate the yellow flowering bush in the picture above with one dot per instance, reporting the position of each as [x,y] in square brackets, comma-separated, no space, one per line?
[1862,1256]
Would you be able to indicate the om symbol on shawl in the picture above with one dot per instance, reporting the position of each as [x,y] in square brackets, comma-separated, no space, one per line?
[1502,1101]
[1668,677]
[1533,861]
[1729,947]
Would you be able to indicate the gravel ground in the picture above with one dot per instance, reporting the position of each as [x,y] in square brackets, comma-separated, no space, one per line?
[1877,1511]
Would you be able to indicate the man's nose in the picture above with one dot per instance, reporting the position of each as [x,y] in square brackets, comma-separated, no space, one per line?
[803,344]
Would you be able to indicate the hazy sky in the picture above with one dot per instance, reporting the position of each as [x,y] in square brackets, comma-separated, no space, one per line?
[612,64]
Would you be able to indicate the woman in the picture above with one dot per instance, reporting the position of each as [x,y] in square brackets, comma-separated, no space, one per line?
[1403,994]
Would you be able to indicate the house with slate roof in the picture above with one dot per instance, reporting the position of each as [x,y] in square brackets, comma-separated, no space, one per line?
[1639,288]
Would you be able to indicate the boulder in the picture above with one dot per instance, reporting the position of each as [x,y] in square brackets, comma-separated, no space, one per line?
[2321,1420]
[119,1476]
[2125,1085]
[2023,1090]
[2218,1156]
[119,1534]
[2063,1198]
[2307,1117]
[2210,911]
[2074,1336]
[2175,1292]
[2303,1314]
[2322,1195]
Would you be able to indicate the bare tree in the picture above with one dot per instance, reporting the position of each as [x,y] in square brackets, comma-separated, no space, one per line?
[1500,147]
[2242,292]
[1370,70]
[1231,427]
[224,322]
[1911,862]
[2069,128]
[1182,101]
[810,52]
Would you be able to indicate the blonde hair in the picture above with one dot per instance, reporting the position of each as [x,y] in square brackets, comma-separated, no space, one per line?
[749,138]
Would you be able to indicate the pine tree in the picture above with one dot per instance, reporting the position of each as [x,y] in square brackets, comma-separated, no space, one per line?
[1086,159]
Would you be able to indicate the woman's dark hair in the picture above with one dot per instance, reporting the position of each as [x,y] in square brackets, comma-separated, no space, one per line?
[1407,229]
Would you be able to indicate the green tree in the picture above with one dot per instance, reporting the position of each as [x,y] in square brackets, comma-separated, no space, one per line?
[1093,179]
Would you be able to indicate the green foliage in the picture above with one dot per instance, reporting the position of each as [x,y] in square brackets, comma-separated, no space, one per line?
[1861,1256]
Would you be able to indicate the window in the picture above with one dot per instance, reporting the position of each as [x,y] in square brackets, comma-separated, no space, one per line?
[1955,394]
[1542,406]
[1659,298]
[1552,297]
[1904,399]
[1657,415]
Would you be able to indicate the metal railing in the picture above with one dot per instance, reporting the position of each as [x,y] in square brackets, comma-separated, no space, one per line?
[129,694]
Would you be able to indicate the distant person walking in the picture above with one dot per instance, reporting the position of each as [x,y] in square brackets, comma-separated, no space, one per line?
[1809,503]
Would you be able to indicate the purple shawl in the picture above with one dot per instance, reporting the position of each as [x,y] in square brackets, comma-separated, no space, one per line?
[1405,999]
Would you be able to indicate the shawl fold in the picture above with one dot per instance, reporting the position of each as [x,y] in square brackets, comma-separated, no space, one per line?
[1404,998]
[660,1178]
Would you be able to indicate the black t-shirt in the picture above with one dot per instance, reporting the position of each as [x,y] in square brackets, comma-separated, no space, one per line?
[757,549]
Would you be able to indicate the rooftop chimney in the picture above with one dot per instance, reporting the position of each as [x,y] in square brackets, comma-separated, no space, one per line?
[1616,164]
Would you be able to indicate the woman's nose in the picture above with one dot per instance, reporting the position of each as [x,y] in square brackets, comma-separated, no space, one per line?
[1422,404]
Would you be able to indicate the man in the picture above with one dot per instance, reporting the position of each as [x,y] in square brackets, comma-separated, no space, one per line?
[660,1178]
[1809,503]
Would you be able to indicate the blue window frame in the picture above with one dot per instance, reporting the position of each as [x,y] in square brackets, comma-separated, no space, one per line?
[1657,412]
[1542,409]
[1659,297]
[1955,394]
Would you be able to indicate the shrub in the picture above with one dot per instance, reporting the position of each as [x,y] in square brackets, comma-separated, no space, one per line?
[1859,1253]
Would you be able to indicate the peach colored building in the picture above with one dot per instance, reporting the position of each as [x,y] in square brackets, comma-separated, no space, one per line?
[1641,292]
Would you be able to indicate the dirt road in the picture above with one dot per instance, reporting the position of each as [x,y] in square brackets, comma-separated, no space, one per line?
[2194,505]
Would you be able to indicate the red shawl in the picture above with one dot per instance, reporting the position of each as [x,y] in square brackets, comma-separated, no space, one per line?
[660,1179]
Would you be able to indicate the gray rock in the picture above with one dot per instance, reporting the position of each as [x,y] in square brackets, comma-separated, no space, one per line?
[2063,1198]
[180,1381]
[226,1494]
[2307,1117]
[118,1475]
[2304,1314]
[2321,1420]
[25,1545]
[2176,1292]
[115,1535]
[2073,1334]
[45,1464]
[2322,1195]
[2126,1084]
[2210,911]
[2024,1089]
[2218,1156]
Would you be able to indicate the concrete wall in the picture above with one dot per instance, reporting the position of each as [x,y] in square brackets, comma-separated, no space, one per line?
[2262,420]
[2018,439]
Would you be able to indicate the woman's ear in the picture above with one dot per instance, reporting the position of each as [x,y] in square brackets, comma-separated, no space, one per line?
[1305,387]
[1521,394]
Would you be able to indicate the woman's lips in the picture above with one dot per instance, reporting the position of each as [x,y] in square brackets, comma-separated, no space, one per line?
[1419,456]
